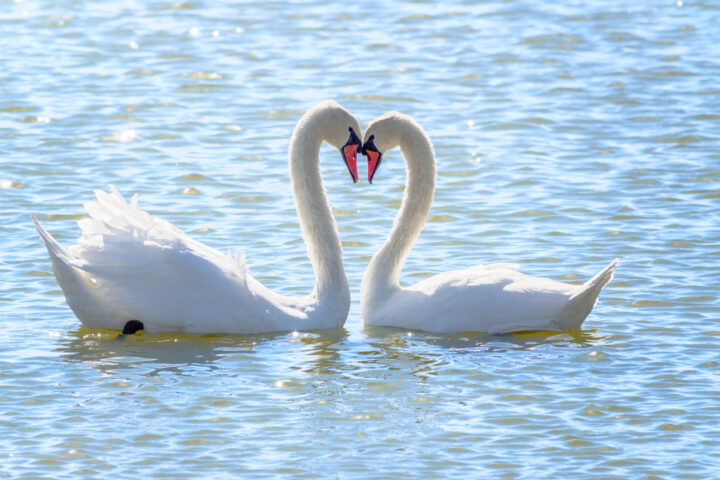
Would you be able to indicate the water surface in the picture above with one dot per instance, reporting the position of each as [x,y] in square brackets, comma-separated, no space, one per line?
[566,136]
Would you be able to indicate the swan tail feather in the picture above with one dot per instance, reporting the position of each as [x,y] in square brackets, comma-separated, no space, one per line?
[80,292]
[582,302]
[56,251]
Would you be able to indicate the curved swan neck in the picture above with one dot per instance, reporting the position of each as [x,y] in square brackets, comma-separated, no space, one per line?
[386,265]
[317,223]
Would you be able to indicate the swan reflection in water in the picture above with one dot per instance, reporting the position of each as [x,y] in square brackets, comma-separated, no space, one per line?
[107,351]
[479,342]
[338,376]
[323,352]
[425,354]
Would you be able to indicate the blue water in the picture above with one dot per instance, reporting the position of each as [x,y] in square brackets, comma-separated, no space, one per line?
[566,135]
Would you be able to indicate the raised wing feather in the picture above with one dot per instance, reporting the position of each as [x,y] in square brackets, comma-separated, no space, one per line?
[156,272]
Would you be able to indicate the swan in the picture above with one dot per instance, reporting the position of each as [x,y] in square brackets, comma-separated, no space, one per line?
[131,271]
[486,298]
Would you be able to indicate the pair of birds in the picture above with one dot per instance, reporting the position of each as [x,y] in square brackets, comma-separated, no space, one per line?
[131,271]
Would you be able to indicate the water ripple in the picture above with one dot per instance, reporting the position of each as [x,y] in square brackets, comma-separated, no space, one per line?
[566,135]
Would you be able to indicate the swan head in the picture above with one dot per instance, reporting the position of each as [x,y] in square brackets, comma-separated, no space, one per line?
[383,134]
[342,130]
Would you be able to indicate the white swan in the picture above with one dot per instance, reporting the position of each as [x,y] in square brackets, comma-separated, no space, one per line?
[130,270]
[486,298]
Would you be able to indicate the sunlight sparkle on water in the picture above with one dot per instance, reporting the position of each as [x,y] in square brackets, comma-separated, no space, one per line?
[123,136]
[566,134]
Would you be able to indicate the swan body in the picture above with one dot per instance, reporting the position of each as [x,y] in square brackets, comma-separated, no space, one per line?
[129,265]
[486,298]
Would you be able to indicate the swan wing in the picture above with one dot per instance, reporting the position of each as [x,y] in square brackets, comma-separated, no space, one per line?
[496,299]
[154,271]
[492,299]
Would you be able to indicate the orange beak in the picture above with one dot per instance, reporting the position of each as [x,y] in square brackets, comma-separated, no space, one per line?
[349,153]
[374,157]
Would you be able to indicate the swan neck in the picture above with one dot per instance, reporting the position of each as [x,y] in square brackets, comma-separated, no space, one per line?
[319,230]
[384,271]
